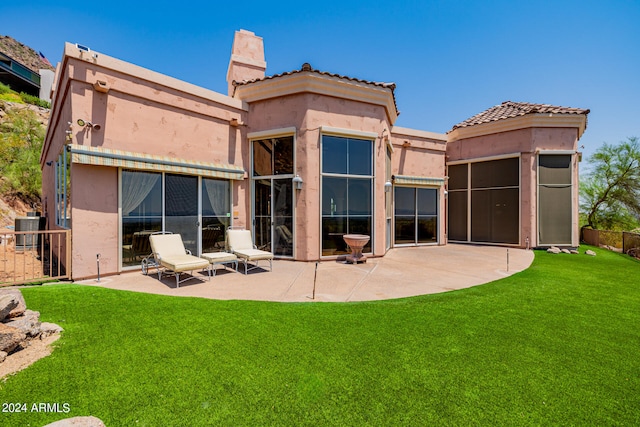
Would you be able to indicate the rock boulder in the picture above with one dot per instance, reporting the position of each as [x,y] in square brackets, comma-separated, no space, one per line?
[10,338]
[78,422]
[22,305]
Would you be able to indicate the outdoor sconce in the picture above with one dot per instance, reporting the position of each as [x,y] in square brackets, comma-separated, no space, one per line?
[297,182]
[88,124]
[101,86]
[388,186]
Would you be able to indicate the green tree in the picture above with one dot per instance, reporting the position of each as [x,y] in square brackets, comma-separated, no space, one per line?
[21,138]
[610,194]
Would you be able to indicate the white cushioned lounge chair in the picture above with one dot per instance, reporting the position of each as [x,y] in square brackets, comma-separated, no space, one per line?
[172,258]
[240,243]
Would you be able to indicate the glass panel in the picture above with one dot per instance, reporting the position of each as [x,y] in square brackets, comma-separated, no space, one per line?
[262,158]
[427,229]
[262,230]
[333,228]
[141,214]
[359,157]
[334,196]
[135,238]
[262,233]
[283,162]
[283,217]
[405,230]
[427,201]
[181,209]
[554,169]
[405,201]
[496,173]
[334,154]
[216,214]
[359,194]
[555,215]
[141,194]
[213,232]
[457,215]
[215,198]
[458,177]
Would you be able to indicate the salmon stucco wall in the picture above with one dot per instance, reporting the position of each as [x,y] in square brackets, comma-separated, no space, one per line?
[94,220]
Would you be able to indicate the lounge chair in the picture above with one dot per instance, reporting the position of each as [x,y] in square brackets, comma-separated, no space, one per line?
[172,258]
[241,244]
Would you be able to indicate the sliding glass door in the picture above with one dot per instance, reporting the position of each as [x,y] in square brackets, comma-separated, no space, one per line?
[273,195]
[196,208]
[416,215]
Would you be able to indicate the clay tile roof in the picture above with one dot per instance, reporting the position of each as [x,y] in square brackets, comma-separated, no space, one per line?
[509,109]
[306,68]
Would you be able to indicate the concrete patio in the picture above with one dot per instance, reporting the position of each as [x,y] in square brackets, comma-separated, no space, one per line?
[403,272]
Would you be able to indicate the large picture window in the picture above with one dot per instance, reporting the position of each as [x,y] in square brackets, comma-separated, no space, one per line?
[347,186]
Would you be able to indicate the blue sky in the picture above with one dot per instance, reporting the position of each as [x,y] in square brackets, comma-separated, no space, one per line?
[449,59]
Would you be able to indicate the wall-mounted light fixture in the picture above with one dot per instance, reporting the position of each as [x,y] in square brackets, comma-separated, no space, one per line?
[297,182]
[388,186]
[89,125]
[101,86]
[235,122]
[50,162]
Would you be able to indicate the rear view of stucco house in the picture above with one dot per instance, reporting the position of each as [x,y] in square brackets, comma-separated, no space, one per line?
[299,158]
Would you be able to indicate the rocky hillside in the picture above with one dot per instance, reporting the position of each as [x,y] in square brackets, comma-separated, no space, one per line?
[12,205]
[23,54]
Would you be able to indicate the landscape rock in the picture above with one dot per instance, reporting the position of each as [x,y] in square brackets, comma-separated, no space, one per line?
[590,252]
[22,305]
[29,323]
[574,251]
[553,250]
[47,329]
[565,251]
[10,338]
[7,304]
[3,355]
[78,422]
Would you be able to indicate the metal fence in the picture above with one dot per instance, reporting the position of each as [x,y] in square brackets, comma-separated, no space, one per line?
[34,256]
[622,241]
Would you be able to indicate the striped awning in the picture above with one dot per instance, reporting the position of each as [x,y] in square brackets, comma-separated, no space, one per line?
[105,157]
[417,180]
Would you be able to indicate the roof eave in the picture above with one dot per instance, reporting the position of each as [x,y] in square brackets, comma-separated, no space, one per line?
[319,83]
[540,120]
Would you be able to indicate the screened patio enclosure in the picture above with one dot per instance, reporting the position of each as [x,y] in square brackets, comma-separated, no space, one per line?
[484,201]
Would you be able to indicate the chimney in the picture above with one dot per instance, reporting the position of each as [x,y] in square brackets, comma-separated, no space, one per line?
[247,59]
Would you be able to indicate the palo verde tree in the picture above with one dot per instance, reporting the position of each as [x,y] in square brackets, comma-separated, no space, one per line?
[610,194]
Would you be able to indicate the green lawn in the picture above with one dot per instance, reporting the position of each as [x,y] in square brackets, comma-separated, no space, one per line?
[558,344]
